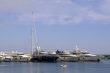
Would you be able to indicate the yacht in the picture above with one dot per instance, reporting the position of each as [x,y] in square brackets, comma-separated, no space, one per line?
[86,56]
[65,56]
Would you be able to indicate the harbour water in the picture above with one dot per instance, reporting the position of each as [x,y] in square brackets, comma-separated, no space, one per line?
[72,67]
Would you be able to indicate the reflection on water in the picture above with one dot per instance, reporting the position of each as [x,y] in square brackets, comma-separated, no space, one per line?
[72,67]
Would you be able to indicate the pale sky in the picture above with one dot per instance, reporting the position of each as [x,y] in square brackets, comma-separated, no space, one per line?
[60,24]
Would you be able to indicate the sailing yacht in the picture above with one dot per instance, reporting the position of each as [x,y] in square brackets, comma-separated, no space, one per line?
[37,54]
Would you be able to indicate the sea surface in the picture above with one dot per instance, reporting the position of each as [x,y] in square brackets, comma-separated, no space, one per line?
[72,67]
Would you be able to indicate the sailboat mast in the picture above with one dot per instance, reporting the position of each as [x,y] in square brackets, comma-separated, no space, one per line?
[35,47]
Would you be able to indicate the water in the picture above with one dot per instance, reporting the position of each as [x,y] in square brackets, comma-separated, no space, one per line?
[72,67]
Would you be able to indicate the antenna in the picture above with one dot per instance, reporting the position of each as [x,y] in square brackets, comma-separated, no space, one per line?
[77,47]
[35,46]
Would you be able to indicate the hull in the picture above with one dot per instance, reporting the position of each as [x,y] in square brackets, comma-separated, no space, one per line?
[90,59]
[44,58]
[68,59]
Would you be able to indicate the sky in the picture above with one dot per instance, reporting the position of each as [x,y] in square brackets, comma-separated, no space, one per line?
[60,24]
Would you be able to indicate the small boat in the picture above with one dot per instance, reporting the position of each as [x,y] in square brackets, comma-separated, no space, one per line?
[63,65]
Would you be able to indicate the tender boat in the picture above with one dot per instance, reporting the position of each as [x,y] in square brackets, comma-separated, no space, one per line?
[63,65]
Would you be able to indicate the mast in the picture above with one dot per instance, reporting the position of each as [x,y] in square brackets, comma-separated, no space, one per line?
[35,45]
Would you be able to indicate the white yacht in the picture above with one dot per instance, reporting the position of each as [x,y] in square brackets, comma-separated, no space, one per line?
[85,55]
[65,56]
